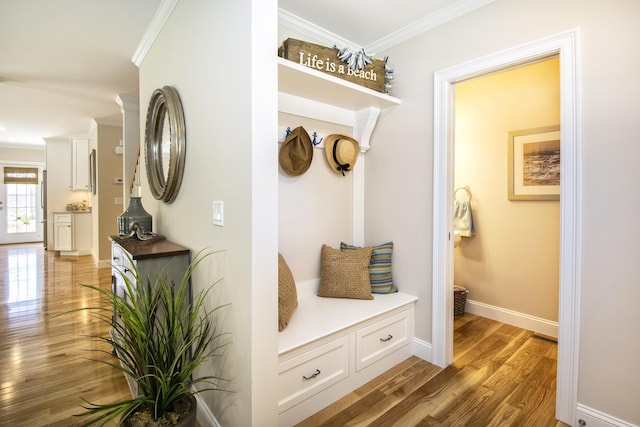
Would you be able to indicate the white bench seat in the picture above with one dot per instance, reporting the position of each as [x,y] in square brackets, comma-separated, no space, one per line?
[317,317]
[332,346]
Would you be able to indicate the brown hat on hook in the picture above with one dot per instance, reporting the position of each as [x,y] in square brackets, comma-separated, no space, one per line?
[341,152]
[296,152]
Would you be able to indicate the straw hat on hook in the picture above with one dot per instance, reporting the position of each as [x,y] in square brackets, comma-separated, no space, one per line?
[296,152]
[341,152]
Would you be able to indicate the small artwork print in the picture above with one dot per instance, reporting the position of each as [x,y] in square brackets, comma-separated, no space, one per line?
[541,163]
[534,164]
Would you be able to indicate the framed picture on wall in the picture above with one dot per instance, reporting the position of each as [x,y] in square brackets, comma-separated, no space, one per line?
[534,164]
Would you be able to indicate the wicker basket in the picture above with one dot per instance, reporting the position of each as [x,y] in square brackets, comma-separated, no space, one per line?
[459,299]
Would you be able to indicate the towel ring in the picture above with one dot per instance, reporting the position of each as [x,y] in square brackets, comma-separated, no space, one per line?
[466,189]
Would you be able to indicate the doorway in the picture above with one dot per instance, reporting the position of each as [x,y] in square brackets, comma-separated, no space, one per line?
[21,209]
[509,260]
[565,45]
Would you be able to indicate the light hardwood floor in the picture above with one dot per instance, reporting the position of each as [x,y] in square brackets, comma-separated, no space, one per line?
[44,366]
[501,376]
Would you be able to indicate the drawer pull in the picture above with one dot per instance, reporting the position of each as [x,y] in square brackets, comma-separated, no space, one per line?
[126,270]
[388,338]
[312,376]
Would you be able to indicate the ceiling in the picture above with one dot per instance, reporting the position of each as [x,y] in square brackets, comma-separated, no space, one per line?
[64,62]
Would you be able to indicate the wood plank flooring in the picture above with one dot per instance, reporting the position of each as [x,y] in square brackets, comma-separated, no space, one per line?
[501,376]
[44,366]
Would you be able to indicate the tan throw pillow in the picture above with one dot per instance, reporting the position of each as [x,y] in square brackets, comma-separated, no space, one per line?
[345,274]
[287,294]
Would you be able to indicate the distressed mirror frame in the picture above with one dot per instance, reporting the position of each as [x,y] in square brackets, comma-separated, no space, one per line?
[164,105]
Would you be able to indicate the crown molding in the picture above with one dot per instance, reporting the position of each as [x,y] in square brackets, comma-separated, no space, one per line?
[320,35]
[426,23]
[153,30]
[315,32]
[128,103]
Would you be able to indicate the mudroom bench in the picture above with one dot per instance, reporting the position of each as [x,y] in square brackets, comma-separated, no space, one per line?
[332,346]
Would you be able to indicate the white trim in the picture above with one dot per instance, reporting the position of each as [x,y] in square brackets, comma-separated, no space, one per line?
[4,162]
[327,38]
[313,31]
[153,30]
[128,103]
[426,23]
[515,318]
[595,418]
[566,45]
[422,349]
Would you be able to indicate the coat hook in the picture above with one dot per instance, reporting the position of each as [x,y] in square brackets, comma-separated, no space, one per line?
[287,132]
[315,140]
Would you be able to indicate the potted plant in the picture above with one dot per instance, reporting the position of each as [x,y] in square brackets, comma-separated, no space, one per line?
[160,334]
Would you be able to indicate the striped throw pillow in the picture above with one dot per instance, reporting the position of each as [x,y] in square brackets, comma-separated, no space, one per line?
[379,267]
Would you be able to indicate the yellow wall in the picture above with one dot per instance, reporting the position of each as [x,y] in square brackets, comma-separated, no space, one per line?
[513,260]
[105,139]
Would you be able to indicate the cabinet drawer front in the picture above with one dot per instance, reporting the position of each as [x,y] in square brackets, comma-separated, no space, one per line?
[376,341]
[118,257]
[63,218]
[311,372]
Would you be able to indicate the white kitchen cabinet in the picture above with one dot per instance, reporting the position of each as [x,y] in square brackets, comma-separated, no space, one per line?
[63,232]
[80,164]
[72,233]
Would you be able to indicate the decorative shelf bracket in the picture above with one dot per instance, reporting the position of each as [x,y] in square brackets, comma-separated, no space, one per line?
[365,122]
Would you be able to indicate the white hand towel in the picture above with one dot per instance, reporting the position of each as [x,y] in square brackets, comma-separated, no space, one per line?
[463,218]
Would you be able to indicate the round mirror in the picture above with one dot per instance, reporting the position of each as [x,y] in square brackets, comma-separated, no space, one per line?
[165,140]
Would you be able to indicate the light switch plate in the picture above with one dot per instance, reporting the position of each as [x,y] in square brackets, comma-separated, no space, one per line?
[218,213]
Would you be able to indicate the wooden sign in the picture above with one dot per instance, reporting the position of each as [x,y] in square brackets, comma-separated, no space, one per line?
[326,59]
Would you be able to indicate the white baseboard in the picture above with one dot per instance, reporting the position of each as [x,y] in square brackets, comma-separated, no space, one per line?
[422,349]
[594,418]
[510,317]
[205,416]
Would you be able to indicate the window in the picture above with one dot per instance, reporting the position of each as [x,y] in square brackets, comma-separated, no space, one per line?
[21,185]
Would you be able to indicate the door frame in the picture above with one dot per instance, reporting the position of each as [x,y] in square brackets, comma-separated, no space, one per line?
[41,229]
[565,45]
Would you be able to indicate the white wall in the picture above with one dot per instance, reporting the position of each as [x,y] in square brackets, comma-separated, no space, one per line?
[513,260]
[221,58]
[399,172]
[10,153]
[314,208]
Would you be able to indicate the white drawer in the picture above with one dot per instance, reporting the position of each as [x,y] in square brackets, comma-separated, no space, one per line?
[305,375]
[381,338]
[63,218]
